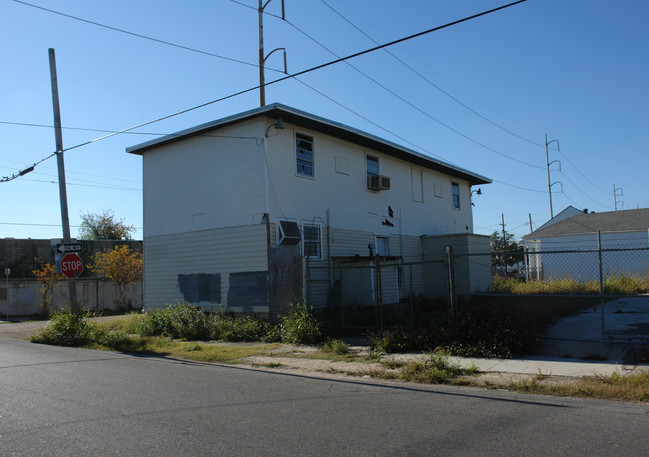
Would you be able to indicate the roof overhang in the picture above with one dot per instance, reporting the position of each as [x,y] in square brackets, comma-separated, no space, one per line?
[319,124]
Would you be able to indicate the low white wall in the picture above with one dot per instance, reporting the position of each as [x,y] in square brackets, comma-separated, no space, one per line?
[24,296]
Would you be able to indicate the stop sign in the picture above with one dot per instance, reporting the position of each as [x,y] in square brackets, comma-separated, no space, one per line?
[71,265]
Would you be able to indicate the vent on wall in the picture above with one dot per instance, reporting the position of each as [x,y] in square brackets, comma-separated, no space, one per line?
[288,233]
[378,182]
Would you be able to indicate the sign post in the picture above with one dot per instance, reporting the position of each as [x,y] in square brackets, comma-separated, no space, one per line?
[71,265]
[7,272]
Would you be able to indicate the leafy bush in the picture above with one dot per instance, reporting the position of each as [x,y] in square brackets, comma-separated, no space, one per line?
[181,321]
[118,340]
[401,340]
[227,327]
[67,329]
[300,326]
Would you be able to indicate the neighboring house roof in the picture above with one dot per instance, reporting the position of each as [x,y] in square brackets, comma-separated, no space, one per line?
[611,221]
[568,212]
[316,123]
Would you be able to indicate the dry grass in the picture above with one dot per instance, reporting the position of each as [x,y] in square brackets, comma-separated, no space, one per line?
[615,284]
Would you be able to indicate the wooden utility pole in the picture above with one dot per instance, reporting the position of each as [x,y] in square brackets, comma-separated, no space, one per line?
[63,196]
[262,58]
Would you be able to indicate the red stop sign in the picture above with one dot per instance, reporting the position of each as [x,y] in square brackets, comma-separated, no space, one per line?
[71,265]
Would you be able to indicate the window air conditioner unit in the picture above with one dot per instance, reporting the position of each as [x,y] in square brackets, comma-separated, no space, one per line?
[288,233]
[378,182]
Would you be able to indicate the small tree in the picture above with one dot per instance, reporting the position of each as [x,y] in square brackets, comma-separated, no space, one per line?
[104,226]
[505,251]
[121,265]
[47,275]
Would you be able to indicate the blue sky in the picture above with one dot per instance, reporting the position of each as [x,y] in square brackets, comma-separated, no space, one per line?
[480,95]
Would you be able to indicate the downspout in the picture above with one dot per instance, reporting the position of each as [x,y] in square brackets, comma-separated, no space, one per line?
[329,254]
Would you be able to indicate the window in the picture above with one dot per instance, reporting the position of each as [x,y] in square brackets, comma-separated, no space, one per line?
[382,244]
[304,154]
[312,241]
[455,187]
[372,166]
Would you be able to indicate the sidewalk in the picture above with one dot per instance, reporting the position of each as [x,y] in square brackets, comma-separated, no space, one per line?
[537,364]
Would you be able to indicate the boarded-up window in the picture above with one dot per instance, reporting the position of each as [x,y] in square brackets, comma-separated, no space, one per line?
[248,288]
[200,287]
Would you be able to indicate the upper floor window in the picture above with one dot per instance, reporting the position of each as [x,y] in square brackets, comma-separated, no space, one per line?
[455,192]
[372,167]
[304,154]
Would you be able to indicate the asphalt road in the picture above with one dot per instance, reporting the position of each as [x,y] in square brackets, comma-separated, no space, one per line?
[74,402]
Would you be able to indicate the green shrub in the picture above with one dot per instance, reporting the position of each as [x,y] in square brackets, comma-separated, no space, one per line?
[181,321]
[67,329]
[434,369]
[403,340]
[227,327]
[334,346]
[300,326]
[118,340]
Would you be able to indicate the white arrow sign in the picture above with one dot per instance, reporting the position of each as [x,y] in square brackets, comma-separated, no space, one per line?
[70,247]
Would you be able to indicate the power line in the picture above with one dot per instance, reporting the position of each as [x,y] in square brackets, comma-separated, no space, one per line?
[317,67]
[412,105]
[138,35]
[429,81]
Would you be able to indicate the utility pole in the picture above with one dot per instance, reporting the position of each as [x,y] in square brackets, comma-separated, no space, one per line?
[63,196]
[530,216]
[262,58]
[504,238]
[548,163]
[616,194]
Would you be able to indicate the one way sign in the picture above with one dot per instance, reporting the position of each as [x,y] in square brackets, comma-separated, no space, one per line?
[64,248]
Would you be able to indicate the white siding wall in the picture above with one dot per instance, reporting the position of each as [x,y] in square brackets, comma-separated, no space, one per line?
[217,251]
[585,266]
[352,206]
[205,182]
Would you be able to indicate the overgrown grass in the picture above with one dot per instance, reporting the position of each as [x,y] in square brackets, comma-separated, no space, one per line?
[433,369]
[633,387]
[67,329]
[299,326]
[615,284]
[335,346]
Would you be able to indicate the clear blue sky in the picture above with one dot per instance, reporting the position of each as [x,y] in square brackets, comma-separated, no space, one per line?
[480,95]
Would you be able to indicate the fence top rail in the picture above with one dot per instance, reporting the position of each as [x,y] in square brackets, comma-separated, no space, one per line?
[593,295]
[558,251]
[383,264]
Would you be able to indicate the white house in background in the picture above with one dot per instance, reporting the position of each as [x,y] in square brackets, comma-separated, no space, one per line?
[232,208]
[628,229]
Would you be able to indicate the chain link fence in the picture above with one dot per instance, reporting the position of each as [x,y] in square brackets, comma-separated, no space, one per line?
[378,293]
[595,295]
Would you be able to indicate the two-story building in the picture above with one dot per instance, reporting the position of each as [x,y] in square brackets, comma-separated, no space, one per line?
[233,209]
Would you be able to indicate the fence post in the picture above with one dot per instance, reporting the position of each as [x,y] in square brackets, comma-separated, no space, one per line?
[410,294]
[379,294]
[451,281]
[601,285]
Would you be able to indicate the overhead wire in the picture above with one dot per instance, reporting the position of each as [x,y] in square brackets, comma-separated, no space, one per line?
[299,73]
[412,105]
[431,83]
[138,35]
